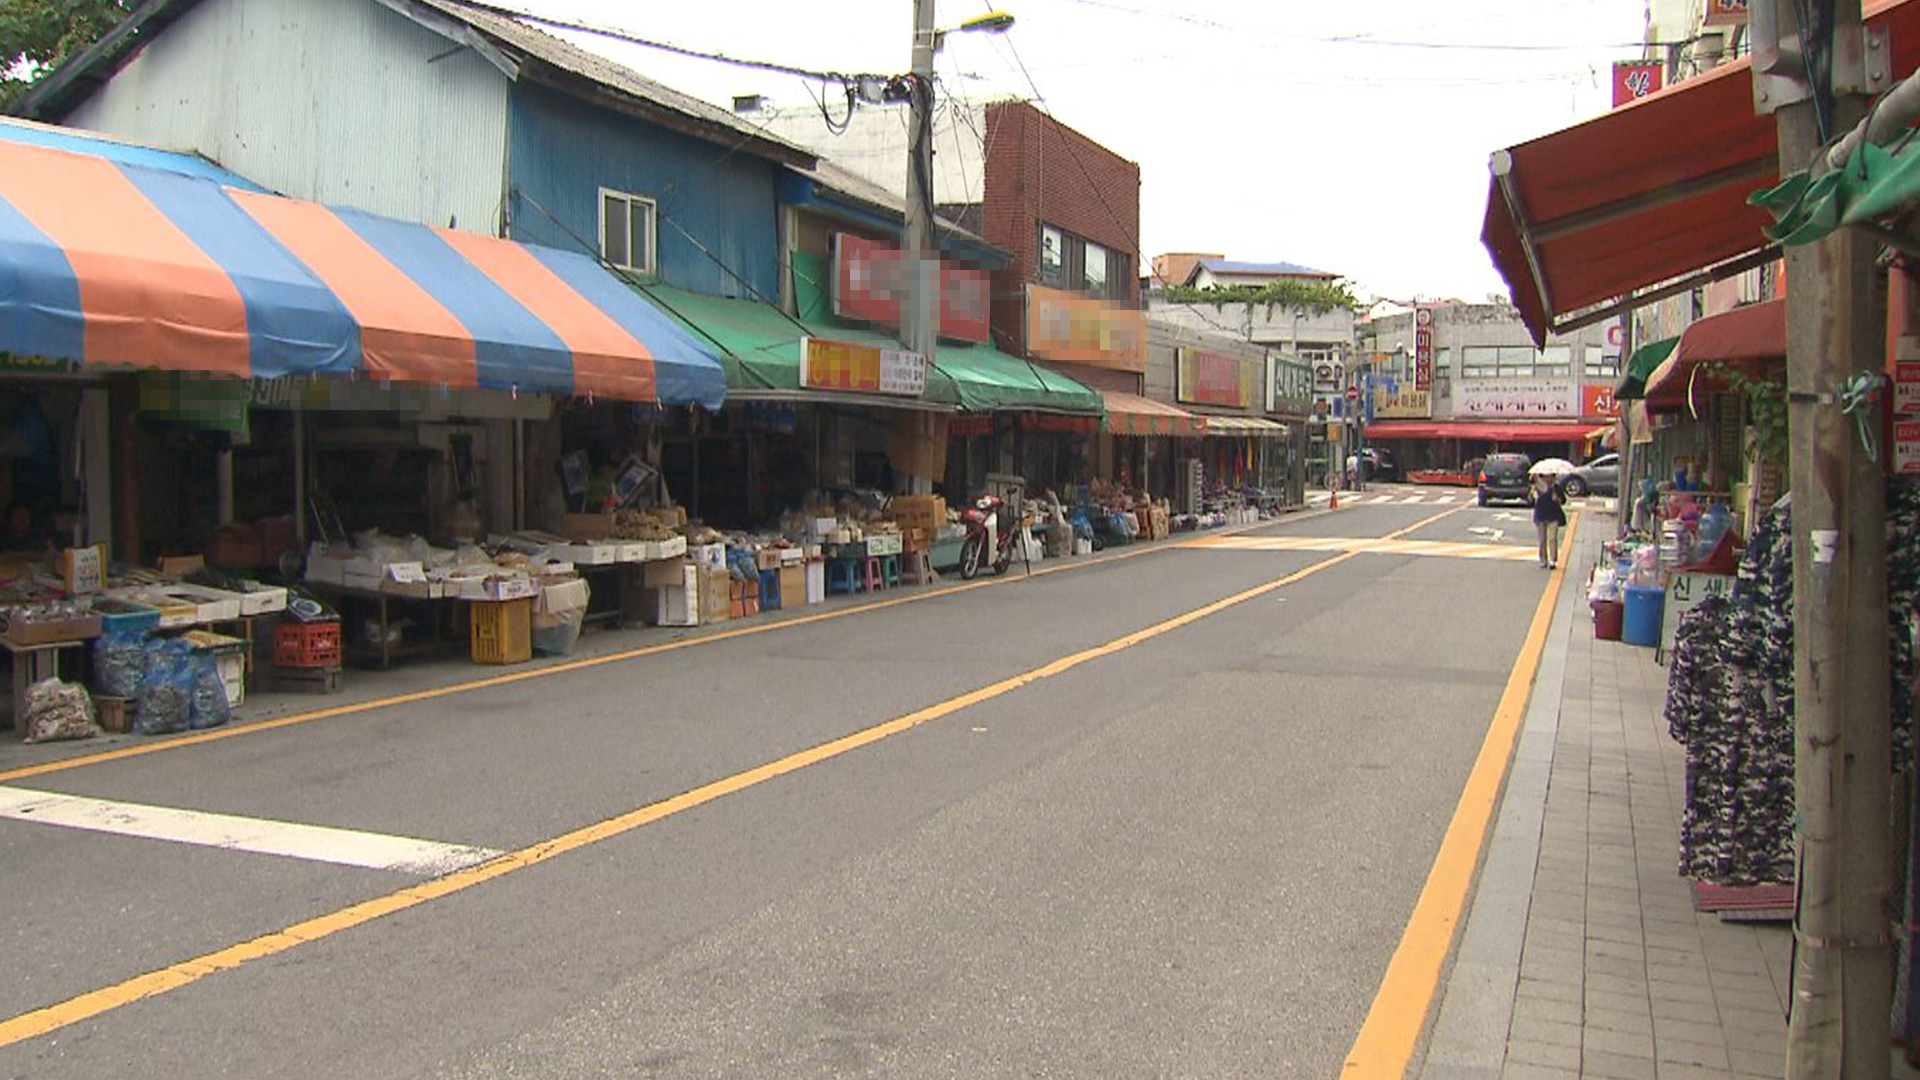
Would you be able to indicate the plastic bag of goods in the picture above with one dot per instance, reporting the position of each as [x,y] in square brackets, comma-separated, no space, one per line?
[58,710]
[556,635]
[166,690]
[1606,585]
[207,707]
[120,662]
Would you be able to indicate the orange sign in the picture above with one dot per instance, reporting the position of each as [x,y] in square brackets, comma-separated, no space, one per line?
[1069,328]
[1597,402]
[847,365]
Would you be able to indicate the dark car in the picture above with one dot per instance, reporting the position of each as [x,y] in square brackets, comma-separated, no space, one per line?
[1504,476]
[1601,476]
[1374,463]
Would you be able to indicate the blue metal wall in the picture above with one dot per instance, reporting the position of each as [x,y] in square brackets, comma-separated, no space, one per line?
[561,151]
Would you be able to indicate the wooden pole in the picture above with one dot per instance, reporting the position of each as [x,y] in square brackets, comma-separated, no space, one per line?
[1843,971]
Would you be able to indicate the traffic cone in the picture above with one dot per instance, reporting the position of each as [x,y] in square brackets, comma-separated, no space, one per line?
[1333,498]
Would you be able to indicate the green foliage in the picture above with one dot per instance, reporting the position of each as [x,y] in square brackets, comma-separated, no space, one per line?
[36,36]
[1766,410]
[1313,296]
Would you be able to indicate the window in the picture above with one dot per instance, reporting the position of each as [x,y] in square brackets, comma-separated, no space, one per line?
[1442,363]
[1053,257]
[1095,265]
[1479,361]
[1600,363]
[626,230]
[1555,360]
[1516,362]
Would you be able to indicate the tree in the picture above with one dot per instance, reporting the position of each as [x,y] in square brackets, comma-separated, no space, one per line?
[37,36]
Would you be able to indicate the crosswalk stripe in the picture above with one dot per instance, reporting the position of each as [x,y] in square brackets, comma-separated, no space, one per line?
[1413,500]
[317,843]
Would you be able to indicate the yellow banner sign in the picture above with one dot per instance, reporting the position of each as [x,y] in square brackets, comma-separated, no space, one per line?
[1069,328]
[857,368]
[1405,405]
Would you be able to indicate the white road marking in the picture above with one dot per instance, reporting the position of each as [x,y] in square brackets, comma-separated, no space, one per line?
[317,843]
[1379,499]
[1413,499]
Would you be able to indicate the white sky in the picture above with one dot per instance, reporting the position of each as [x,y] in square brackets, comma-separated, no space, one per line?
[1352,137]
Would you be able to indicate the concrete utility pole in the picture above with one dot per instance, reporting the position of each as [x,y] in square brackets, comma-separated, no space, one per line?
[1839,1024]
[920,316]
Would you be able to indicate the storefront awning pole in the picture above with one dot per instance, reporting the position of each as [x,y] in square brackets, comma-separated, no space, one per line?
[300,476]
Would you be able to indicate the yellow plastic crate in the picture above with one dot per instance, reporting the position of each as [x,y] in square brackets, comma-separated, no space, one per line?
[502,631]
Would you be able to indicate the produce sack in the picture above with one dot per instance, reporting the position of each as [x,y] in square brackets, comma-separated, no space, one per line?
[59,710]
[120,662]
[208,708]
[166,690]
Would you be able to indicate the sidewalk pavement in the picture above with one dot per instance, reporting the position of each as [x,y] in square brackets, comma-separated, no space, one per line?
[1582,955]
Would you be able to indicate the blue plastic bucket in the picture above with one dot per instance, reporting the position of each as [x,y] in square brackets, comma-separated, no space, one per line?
[1645,604]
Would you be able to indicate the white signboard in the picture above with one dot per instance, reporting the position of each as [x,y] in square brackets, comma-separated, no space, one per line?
[1684,592]
[1906,446]
[1517,399]
[1906,376]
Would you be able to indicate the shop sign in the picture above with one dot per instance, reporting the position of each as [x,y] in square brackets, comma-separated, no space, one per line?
[1396,402]
[1289,386]
[1685,591]
[870,283]
[1906,446]
[861,369]
[1906,376]
[1725,13]
[1211,378]
[1635,79]
[964,426]
[1597,403]
[1059,424]
[1068,328]
[309,393]
[1422,348]
[1508,399]
[40,365]
[196,400]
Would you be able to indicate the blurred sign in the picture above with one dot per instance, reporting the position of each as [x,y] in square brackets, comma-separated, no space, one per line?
[1401,403]
[1635,79]
[1906,446]
[1422,348]
[1211,378]
[1069,328]
[1289,386]
[967,426]
[1725,13]
[1508,399]
[870,283]
[857,368]
[1597,403]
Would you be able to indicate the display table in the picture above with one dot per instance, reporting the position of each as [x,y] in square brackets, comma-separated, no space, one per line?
[376,609]
[31,664]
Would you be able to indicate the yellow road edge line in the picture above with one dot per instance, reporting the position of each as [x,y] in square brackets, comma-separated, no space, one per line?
[1398,1015]
[93,1003]
[353,707]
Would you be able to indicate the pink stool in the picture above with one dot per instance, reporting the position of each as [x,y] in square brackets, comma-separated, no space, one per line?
[876,576]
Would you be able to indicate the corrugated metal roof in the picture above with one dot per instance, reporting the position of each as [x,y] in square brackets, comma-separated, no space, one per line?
[1275,270]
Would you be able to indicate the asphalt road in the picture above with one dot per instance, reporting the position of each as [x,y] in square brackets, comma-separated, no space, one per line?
[1189,854]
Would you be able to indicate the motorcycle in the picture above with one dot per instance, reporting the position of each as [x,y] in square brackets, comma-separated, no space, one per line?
[991,530]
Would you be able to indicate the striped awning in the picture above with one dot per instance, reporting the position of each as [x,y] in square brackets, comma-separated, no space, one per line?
[115,263]
[1131,414]
[1244,426]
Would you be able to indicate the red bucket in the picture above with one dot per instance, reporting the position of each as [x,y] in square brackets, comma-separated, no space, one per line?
[1607,618]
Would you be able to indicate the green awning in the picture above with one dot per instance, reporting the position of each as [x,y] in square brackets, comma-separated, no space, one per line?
[760,350]
[1633,381]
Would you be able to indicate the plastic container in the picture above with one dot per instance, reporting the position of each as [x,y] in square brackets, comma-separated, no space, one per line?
[1644,606]
[307,645]
[557,637]
[1607,618]
[502,631]
[1713,525]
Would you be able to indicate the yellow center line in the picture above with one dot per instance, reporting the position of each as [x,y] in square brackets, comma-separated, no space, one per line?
[95,1002]
[546,671]
[1385,1044]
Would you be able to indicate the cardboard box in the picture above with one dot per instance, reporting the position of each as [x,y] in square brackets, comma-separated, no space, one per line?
[586,526]
[663,549]
[767,558]
[919,511]
[665,574]
[677,603]
[599,553]
[821,527]
[563,598]
[518,587]
[630,551]
[43,631]
[711,556]
[673,517]
[409,579]
[793,585]
[84,570]
[716,595]
[180,565]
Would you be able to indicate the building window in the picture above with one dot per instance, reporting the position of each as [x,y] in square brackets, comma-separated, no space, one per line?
[1070,262]
[1480,361]
[1442,363]
[1053,257]
[1517,362]
[626,231]
[1094,265]
[1555,361]
[1601,364]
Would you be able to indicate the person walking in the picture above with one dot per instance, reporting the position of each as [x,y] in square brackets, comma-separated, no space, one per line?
[1548,517]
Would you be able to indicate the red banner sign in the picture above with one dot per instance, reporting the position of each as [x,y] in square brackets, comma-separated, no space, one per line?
[967,426]
[1597,402]
[870,283]
[1635,79]
[1725,13]
[1422,347]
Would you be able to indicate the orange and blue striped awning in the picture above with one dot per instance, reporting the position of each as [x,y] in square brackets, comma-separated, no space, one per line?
[117,263]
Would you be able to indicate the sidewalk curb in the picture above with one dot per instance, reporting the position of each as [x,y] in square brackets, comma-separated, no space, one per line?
[1469,1038]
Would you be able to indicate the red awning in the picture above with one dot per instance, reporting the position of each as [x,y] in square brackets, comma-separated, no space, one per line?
[1652,191]
[1747,336]
[1131,414]
[1570,431]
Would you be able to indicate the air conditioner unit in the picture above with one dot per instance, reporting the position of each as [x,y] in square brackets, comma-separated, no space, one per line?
[1327,371]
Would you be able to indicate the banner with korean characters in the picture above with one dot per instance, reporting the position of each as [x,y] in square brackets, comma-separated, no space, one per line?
[1398,401]
[1906,404]
[857,368]
[1517,399]
[1422,348]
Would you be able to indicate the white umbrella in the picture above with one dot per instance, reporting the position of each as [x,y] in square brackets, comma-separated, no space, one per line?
[1552,466]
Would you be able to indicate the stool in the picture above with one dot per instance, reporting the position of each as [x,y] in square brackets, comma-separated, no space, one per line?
[890,569]
[876,576]
[916,568]
[769,590]
[843,575]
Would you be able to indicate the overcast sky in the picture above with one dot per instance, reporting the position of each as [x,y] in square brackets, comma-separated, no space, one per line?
[1352,137]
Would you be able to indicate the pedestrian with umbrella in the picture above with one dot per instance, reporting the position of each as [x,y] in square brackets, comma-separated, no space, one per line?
[1549,513]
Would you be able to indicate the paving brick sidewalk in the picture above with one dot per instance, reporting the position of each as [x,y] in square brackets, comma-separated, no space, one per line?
[1582,955]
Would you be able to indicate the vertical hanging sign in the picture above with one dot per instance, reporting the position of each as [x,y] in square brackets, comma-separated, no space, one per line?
[1422,347]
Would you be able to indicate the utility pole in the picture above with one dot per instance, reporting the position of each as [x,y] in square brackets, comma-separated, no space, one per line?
[920,315]
[1838,1028]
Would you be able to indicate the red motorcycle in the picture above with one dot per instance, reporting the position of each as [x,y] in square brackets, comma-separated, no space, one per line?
[990,528]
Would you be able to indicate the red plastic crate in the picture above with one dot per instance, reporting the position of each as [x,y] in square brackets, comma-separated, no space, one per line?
[306,645]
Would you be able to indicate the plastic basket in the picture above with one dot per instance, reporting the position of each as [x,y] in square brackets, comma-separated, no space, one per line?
[502,632]
[306,645]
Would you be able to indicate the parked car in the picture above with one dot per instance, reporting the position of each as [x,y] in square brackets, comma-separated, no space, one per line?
[1601,476]
[1372,463]
[1504,476]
